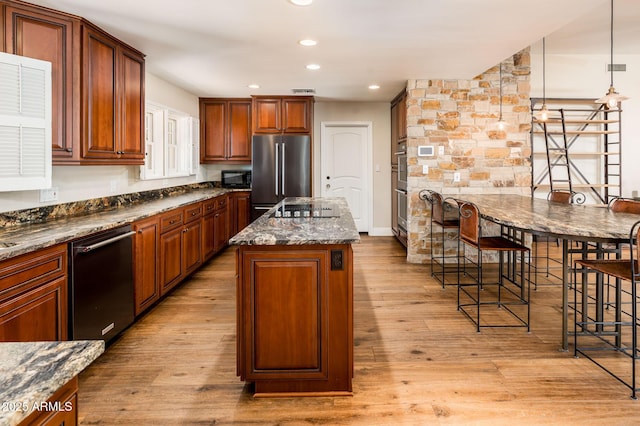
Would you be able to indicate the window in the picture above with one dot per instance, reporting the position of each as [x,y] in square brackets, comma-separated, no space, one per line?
[171,142]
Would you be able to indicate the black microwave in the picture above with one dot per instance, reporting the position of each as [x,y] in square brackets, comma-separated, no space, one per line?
[236,179]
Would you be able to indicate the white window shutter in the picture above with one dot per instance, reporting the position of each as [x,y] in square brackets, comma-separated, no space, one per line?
[25,123]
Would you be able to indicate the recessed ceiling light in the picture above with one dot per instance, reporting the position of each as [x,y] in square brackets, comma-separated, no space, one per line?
[374,87]
[307,42]
[253,86]
[313,67]
[301,2]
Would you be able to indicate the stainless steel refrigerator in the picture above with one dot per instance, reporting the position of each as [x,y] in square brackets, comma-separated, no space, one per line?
[281,167]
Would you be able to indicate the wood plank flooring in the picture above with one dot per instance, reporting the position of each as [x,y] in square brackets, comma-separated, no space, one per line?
[418,361]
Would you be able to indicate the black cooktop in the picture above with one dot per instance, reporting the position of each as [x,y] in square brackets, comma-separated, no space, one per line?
[306,210]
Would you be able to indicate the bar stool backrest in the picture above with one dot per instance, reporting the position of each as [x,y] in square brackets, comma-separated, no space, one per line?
[635,239]
[624,205]
[437,208]
[469,222]
[566,197]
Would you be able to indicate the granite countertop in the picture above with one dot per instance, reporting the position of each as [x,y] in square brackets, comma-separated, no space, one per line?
[572,221]
[301,231]
[32,372]
[20,239]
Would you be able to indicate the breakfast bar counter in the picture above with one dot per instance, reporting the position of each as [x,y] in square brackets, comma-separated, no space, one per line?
[295,299]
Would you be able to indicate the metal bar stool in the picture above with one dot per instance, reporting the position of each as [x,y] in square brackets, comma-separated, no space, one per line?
[511,292]
[606,337]
[444,216]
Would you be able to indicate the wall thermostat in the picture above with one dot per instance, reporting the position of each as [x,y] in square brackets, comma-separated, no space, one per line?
[425,151]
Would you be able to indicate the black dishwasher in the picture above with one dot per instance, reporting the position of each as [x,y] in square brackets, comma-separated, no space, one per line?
[101,284]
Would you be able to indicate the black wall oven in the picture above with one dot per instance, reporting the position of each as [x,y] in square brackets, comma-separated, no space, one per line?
[401,191]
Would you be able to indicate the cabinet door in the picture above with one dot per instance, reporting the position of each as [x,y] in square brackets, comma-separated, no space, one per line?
[239,131]
[296,115]
[145,260]
[240,215]
[37,315]
[285,310]
[131,92]
[99,96]
[192,246]
[208,233]
[212,131]
[221,229]
[266,115]
[170,259]
[49,38]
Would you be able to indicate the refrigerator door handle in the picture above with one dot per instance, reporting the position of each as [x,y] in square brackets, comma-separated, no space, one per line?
[276,173]
[283,169]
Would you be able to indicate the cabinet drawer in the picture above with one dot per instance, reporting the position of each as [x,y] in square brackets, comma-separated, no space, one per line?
[208,206]
[221,202]
[171,220]
[192,212]
[24,272]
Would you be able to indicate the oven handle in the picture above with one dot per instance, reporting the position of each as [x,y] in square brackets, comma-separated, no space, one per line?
[400,153]
[401,191]
[87,249]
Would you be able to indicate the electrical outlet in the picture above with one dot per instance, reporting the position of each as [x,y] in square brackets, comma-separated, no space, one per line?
[425,169]
[441,150]
[456,177]
[49,194]
[113,185]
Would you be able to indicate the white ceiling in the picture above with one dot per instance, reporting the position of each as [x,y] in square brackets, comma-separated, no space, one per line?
[218,47]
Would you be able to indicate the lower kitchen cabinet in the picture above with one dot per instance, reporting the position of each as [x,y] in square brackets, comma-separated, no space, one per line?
[66,398]
[221,223]
[241,211]
[146,250]
[33,296]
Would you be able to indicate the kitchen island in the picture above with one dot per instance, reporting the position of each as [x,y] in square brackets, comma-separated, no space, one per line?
[295,299]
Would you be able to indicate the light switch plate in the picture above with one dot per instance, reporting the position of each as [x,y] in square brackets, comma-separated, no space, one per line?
[456,177]
[49,194]
[425,169]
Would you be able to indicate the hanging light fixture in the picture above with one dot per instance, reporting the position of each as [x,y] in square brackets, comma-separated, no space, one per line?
[612,97]
[501,123]
[543,114]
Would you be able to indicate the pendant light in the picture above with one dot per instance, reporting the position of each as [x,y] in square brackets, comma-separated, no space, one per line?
[543,114]
[612,97]
[501,123]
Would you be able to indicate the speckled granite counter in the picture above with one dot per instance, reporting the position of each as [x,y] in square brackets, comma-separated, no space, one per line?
[16,240]
[297,231]
[32,372]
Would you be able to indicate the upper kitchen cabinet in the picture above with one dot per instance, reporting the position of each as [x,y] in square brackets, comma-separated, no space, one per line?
[112,100]
[49,36]
[282,114]
[97,87]
[225,131]
[398,120]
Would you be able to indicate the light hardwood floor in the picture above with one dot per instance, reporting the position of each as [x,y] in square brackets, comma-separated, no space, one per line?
[417,361]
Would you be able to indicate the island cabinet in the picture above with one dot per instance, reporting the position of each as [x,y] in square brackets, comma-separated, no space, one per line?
[146,250]
[295,318]
[282,114]
[65,400]
[33,296]
[225,131]
[97,84]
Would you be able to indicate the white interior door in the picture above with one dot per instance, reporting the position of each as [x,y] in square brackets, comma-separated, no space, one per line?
[346,150]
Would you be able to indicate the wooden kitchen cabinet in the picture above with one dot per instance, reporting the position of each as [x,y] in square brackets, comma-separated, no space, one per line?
[67,399]
[398,120]
[97,84]
[221,223]
[34,297]
[240,208]
[146,250]
[225,131]
[180,244]
[46,35]
[295,318]
[112,100]
[282,114]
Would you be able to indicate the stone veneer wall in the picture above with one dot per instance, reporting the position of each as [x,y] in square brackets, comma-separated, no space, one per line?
[460,116]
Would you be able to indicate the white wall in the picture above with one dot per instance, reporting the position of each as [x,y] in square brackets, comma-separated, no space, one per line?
[585,76]
[77,183]
[378,113]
